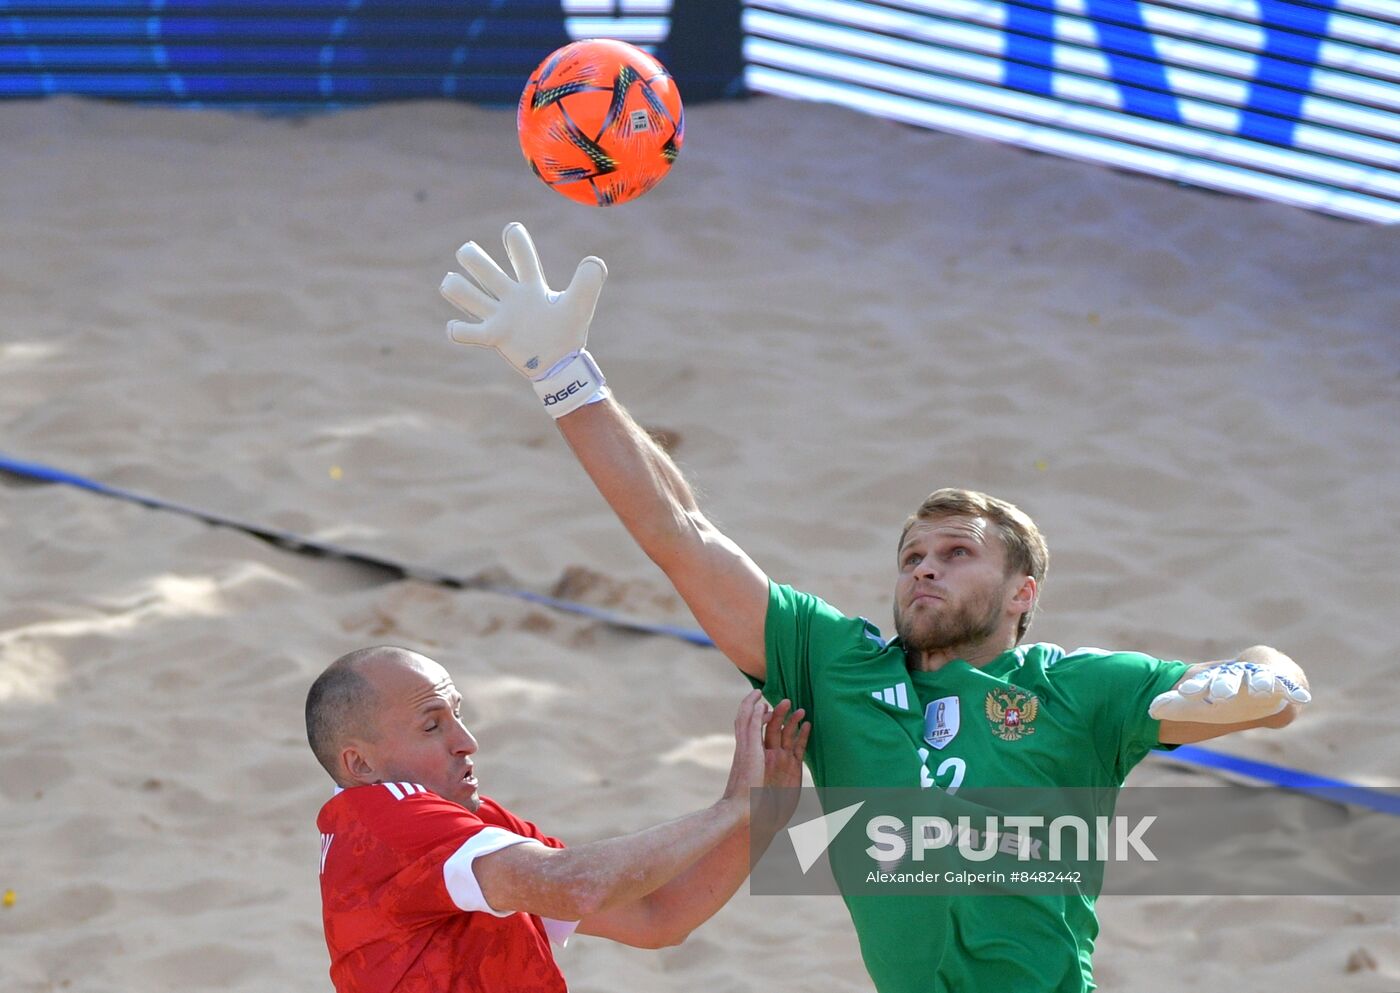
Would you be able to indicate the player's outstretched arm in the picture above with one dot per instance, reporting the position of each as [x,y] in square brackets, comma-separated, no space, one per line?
[1261,687]
[725,590]
[588,881]
[667,915]
[542,334]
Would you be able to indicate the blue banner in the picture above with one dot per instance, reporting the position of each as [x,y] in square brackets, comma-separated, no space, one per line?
[321,53]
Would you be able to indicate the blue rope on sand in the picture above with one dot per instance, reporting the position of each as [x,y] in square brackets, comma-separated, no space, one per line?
[39,472]
[1335,790]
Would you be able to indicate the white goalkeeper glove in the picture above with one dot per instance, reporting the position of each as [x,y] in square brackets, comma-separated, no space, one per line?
[539,331]
[1231,693]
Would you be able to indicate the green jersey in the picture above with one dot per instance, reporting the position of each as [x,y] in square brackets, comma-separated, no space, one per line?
[1036,716]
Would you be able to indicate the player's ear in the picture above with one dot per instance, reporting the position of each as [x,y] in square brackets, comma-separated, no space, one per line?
[1025,594]
[356,767]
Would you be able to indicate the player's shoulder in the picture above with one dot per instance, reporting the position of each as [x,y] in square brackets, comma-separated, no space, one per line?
[1052,656]
[1059,662]
[376,795]
[824,619]
[494,814]
[381,804]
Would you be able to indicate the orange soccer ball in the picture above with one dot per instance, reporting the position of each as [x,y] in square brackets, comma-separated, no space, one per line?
[600,121]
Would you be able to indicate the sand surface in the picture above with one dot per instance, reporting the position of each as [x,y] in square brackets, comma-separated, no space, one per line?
[1195,396]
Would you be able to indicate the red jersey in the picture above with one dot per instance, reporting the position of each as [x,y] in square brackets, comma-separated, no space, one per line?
[402,909]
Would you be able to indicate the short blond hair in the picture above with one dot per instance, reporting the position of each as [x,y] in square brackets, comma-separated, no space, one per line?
[1026,551]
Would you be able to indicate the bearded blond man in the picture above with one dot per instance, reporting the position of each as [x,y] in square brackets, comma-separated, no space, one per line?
[954,702]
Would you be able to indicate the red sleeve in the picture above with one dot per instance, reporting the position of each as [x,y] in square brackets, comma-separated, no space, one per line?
[404,847]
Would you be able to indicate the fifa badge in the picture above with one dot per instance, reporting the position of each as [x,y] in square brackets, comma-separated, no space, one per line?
[941,721]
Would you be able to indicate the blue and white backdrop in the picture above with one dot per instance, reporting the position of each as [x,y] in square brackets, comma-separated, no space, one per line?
[1292,100]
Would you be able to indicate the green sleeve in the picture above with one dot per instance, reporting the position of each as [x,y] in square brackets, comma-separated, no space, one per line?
[804,638]
[1120,687]
[786,633]
[813,652]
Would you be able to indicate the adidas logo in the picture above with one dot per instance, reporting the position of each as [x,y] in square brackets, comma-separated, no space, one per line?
[895,696]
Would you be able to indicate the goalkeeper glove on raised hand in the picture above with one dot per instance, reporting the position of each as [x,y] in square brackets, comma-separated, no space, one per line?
[539,331]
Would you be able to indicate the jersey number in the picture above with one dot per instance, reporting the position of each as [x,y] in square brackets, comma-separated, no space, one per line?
[952,766]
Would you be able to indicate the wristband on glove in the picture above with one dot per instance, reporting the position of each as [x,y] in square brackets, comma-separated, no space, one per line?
[573,382]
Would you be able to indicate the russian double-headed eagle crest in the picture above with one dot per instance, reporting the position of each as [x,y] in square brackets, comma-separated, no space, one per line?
[1011,713]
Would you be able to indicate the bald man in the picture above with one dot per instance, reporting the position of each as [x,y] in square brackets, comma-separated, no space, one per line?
[428,886]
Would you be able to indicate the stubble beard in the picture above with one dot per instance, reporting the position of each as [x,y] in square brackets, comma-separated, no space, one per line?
[944,630]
